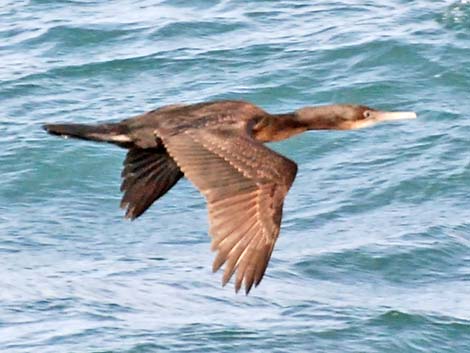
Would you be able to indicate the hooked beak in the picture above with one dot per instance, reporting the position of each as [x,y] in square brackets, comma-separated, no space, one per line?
[379,116]
[392,116]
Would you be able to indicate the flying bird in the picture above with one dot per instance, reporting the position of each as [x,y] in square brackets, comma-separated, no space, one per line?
[219,147]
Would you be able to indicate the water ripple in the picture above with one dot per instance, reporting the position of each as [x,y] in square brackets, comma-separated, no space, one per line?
[373,252]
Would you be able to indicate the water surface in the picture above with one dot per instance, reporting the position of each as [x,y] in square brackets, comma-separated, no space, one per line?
[374,253]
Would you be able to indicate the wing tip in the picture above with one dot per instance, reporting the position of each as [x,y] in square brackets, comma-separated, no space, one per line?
[129,214]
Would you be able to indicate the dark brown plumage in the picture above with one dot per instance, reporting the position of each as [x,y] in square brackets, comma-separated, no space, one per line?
[219,147]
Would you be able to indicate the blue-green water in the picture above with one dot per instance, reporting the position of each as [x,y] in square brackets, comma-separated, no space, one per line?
[374,253]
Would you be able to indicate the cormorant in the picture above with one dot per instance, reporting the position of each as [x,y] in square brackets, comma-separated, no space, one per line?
[219,147]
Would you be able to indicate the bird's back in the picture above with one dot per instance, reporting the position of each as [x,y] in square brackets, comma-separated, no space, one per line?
[175,119]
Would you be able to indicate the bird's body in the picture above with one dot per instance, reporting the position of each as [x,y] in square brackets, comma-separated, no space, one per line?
[219,147]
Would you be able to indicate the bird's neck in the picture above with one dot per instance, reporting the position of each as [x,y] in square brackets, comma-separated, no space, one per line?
[277,127]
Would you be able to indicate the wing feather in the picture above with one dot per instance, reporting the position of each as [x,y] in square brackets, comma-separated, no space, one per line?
[245,184]
[147,175]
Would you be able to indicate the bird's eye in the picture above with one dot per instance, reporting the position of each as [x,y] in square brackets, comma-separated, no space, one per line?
[367,114]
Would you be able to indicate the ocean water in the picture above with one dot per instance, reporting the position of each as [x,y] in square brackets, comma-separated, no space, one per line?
[374,252]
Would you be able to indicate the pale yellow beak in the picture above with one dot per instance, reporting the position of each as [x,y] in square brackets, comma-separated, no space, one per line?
[392,116]
[377,117]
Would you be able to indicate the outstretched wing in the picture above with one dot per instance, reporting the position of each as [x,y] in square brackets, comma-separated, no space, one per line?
[244,184]
[148,174]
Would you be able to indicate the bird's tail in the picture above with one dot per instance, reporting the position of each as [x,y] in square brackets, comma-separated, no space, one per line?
[113,133]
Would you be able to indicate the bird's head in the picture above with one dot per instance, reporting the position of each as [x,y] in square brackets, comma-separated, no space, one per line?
[346,117]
